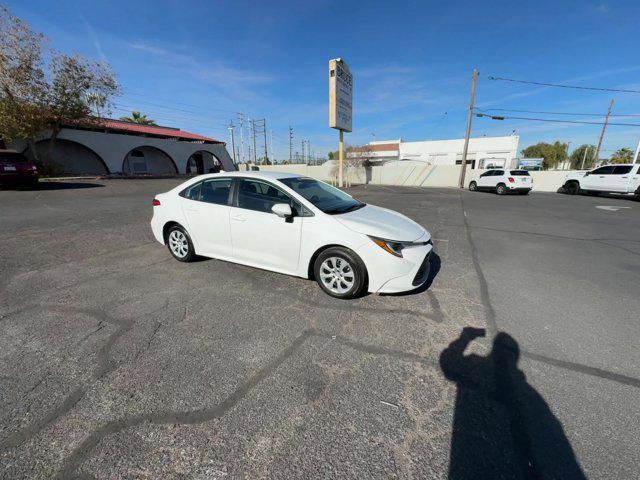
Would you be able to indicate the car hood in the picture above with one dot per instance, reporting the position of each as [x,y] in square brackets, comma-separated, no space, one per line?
[382,223]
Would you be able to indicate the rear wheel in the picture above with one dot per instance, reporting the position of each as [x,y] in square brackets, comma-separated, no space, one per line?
[340,273]
[180,245]
[572,188]
[501,189]
[473,186]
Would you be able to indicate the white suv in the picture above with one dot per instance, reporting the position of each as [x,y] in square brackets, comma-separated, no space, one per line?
[621,178]
[503,181]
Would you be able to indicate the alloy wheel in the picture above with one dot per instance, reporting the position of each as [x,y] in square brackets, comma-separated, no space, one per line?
[178,243]
[337,275]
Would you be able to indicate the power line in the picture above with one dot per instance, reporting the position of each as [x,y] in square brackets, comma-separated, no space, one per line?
[553,120]
[558,113]
[543,84]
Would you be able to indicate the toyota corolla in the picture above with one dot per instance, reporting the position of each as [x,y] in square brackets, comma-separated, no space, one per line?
[297,226]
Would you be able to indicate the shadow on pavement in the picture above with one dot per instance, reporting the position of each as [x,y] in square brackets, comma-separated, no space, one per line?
[502,426]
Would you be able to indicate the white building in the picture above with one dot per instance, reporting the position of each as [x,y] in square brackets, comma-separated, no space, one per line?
[484,152]
[117,147]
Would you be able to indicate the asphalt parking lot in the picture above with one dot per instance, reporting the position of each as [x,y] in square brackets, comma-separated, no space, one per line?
[116,361]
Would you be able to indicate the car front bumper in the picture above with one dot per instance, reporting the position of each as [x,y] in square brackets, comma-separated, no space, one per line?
[390,274]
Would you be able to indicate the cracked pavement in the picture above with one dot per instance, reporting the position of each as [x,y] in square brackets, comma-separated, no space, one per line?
[118,362]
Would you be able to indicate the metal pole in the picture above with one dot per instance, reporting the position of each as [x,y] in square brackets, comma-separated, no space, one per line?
[253,134]
[604,127]
[290,143]
[635,157]
[584,156]
[463,167]
[264,131]
[241,118]
[233,142]
[340,158]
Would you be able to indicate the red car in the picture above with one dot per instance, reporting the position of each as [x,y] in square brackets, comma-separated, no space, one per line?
[16,169]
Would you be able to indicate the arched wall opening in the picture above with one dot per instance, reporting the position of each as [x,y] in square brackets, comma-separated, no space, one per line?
[201,162]
[70,157]
[148,160]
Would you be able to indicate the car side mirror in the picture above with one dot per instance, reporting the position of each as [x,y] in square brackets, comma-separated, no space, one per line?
[283,210]
[587,174]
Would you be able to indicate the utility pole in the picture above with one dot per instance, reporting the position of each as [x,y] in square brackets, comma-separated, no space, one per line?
[635,157]
[465,150]
[233,142]
[567,157]
[303,160]
[604,127]
[584,156]
[252,123]
[271,145]
[290,142]
[241,120]
[266,153]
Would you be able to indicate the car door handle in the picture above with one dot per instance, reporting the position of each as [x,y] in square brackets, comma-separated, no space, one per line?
[238,218]
[625,177]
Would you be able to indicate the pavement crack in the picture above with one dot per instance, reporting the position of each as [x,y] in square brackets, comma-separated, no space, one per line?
[77,457]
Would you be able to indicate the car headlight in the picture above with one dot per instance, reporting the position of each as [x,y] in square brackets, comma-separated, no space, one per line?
[395,248]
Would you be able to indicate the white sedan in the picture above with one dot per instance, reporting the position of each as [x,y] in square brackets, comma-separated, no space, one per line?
[294,225]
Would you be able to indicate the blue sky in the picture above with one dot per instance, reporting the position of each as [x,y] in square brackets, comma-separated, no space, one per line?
[195,64]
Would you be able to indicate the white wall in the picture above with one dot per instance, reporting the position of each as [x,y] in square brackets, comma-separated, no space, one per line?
[414,175]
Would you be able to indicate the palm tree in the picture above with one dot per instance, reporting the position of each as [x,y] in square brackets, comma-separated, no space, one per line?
[137,117]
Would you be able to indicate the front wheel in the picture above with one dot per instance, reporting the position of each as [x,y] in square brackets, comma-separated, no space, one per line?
[180,244]
[340,273]
[473,186]
[572,188]
[501,189]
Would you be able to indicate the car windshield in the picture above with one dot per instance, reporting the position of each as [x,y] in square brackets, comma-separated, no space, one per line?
[519,173]
[327,198]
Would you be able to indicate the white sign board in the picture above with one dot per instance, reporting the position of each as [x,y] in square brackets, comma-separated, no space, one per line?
[340,95]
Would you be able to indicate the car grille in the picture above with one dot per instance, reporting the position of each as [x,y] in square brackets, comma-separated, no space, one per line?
[423,271]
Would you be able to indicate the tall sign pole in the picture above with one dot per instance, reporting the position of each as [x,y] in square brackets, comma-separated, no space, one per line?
[233,142]
[340,106]
[465,150]
[604,128]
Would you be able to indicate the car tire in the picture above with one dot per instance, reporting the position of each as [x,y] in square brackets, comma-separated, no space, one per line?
[340,273]
[572,188]
[180,244]
[501,189]
[473,186]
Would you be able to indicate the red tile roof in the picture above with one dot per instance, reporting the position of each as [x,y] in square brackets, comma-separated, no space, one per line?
[150,130]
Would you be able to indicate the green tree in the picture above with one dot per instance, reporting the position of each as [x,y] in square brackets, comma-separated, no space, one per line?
[623,155]
[579,160]
[137,117]
[552,153]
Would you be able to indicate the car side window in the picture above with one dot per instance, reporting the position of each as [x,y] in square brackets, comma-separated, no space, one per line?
[192,192]
[261,196]
[487,174]
[498,173]
[606,170]
[621,169]
[215,190]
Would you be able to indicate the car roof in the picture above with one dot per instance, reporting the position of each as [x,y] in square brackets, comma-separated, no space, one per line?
[267,175]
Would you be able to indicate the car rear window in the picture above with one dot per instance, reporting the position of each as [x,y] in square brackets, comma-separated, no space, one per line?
[13,157]
[519,173]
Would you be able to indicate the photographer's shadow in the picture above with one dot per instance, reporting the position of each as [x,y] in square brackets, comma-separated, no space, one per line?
[502,426]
